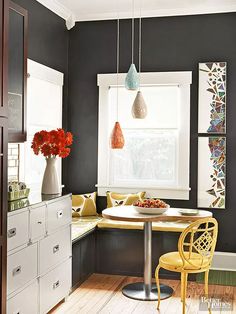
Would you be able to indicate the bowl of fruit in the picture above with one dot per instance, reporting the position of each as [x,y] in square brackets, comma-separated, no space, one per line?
[151,206]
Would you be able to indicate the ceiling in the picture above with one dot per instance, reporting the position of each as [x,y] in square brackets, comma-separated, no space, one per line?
[90,10]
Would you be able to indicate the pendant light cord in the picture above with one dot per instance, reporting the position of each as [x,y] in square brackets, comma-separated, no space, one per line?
[117,64]
[140,43]
[132,39]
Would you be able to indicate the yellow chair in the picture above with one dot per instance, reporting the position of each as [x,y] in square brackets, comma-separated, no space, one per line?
[195,252]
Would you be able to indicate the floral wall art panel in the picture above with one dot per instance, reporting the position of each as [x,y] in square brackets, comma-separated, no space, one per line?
[212,97]
[211,171]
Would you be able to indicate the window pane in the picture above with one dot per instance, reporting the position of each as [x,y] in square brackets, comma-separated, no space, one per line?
[147,159]
[162,102]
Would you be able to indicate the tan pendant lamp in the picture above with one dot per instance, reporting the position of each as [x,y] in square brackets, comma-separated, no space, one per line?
[117,138]
[139,108]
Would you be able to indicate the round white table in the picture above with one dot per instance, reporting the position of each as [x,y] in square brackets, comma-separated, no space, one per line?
[147,291]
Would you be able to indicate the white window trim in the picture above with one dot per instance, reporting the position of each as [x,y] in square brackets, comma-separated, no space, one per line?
[40,71]
[105,81]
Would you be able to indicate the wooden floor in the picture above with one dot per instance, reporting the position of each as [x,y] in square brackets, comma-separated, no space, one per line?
[102,294]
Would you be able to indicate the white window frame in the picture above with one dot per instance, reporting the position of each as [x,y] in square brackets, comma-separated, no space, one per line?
[42,72]
[181,79]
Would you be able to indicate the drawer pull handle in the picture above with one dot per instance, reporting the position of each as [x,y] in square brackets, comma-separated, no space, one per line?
[16,271]
[59,213]
[56,248]
[11,233]
[40,222]
[56,284]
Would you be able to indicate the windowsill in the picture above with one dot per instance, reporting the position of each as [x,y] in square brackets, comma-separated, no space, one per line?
[177,193]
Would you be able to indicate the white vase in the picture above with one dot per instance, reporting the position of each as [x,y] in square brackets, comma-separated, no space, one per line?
[50,183]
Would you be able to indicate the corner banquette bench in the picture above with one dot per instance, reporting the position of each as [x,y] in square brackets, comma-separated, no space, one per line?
[114,247]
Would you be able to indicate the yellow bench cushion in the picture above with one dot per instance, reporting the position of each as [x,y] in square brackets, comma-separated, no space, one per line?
[108,223]
[82,225]
[156,226]
[172,226]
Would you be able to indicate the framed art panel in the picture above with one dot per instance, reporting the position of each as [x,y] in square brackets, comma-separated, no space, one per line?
[211,171]
[212,98]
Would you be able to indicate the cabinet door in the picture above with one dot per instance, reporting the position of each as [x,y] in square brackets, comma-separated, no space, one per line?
[54,286]
[18,304]
[3,210]
[17,73]
[3,57]
[17,230]
[22,268]
[59,214]
[54,249]
[4,7]
[37,222]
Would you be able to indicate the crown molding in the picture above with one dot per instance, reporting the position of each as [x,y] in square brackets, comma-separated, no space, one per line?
[198,10]
[60,10]
[70,17]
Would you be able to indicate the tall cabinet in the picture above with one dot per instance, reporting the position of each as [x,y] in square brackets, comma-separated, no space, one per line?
[4,7]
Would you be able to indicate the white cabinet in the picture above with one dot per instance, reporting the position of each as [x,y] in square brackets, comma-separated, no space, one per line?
[37,222]
[58,214]
[21,268]
[54,285]
[17,229]
[39,256]
[54,249]
[25,302]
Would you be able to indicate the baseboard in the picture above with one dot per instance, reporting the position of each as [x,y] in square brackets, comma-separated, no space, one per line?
[79,283]
[224,261]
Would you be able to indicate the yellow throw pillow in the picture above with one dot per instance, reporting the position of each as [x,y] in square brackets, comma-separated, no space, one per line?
[84,204]
[117,199]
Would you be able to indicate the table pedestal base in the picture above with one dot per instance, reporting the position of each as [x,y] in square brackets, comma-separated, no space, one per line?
[137,291]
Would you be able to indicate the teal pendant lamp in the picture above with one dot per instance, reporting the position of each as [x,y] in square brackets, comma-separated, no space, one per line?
[139,108]
[132,78]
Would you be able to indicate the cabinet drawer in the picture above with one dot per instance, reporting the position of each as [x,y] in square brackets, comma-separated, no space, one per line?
[37,222]
[21,268]
[59,213]
[54,249]
[54,286]
[17,230]
[25,302]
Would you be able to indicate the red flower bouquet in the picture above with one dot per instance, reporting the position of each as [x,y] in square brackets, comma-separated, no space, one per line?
[52,143]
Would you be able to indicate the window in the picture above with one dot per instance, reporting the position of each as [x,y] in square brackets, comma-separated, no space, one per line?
[44,112]
[155,157]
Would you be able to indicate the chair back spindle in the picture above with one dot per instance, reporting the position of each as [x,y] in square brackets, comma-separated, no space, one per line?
[197,243]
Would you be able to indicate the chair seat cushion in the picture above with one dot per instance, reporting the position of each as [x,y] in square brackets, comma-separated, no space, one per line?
[173,261]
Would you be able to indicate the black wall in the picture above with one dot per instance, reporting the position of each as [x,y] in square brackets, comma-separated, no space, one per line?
[169,44]
[48,36]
